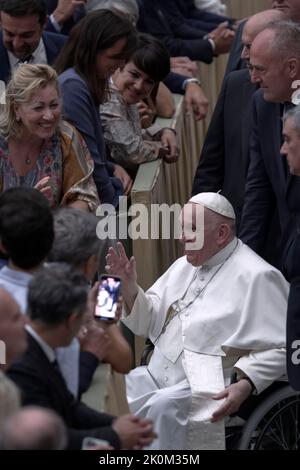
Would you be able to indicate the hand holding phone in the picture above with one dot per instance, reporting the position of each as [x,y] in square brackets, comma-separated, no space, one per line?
[107,298]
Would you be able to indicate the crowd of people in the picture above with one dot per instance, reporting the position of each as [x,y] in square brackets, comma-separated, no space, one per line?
[84,82]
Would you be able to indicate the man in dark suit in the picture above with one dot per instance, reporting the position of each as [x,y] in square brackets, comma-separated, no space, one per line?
[291,149]
[290,8]
[224,159]
[57,305]
[275,66]
[22,38]
[156,20]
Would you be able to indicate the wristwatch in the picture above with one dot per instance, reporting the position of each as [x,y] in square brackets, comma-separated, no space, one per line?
[190,80]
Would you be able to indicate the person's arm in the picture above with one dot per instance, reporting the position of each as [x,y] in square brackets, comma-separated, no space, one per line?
[164,102]
[178,24]
[151,22]
[124,136]
[210,171]
[119,355]
[62,13]
[259,201]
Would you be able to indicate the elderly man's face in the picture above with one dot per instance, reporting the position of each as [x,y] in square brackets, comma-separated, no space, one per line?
[291,146]
[12,331]
[21,35]
[291,8]
[270,70]
[202,232]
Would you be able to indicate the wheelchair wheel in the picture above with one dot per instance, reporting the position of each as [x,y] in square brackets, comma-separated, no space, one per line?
[275,424]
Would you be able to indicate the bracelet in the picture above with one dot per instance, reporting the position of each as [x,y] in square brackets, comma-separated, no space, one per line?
[169,129]
[190,80]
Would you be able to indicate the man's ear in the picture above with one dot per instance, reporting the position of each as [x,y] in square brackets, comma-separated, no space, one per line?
[224,232]
[90,267]
[69,322]
[294,67]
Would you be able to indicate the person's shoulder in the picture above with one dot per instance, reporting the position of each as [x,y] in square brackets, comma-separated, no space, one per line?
[54,38]
[254,264]
[239,76]
[70,74]
[71,84]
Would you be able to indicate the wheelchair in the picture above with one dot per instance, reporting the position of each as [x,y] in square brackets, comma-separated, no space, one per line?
[274,424]
[271,419]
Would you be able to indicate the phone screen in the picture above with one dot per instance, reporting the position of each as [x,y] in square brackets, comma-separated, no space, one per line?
[107,298]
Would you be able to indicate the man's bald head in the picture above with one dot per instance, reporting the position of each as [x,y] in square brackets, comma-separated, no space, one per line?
[255,25]
[12,331]
[34,428]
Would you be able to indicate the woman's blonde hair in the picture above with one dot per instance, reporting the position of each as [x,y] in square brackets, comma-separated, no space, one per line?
[26,80]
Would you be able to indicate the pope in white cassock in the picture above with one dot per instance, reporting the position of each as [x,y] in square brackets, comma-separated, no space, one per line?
[218,309]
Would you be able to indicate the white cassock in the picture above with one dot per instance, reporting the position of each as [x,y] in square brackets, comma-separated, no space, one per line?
[229,312]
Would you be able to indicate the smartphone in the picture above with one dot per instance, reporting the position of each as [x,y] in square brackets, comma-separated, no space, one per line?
[107,297]
[92,442]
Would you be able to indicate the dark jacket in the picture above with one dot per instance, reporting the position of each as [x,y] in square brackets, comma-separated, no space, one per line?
[154,20]
[267,182]
[224,158]
[52,42]
[42,384]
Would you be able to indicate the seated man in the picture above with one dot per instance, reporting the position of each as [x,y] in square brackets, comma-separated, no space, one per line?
[57,304]
[217,310]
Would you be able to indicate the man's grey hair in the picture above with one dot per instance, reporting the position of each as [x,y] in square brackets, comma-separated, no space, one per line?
[34,428]
[75,237]
[287,38]
[294,114]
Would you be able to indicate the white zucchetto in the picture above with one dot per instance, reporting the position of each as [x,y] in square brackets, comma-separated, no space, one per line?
[215,202]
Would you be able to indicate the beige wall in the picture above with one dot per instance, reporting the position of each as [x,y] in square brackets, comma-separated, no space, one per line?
[243,8]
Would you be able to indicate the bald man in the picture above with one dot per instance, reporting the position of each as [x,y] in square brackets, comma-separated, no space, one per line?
[224,158]
[275,67]
[207,317]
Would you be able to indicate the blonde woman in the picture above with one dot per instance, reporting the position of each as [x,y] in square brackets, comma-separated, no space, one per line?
[37,148]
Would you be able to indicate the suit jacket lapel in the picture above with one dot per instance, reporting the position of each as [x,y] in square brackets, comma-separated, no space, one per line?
[4,62]
[247,107]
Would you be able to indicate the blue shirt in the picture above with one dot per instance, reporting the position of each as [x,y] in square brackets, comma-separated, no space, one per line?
[16,283]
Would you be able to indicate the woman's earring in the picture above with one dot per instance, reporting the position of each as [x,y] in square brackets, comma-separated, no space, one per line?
[18,119]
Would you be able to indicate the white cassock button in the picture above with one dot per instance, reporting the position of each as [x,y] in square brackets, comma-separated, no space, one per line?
[166,367]
[166,379]
[202,278]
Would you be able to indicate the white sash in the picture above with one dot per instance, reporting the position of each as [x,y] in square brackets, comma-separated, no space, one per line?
[205,376]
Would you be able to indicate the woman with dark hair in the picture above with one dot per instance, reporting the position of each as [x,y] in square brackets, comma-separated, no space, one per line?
[97,46]
[128,143]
